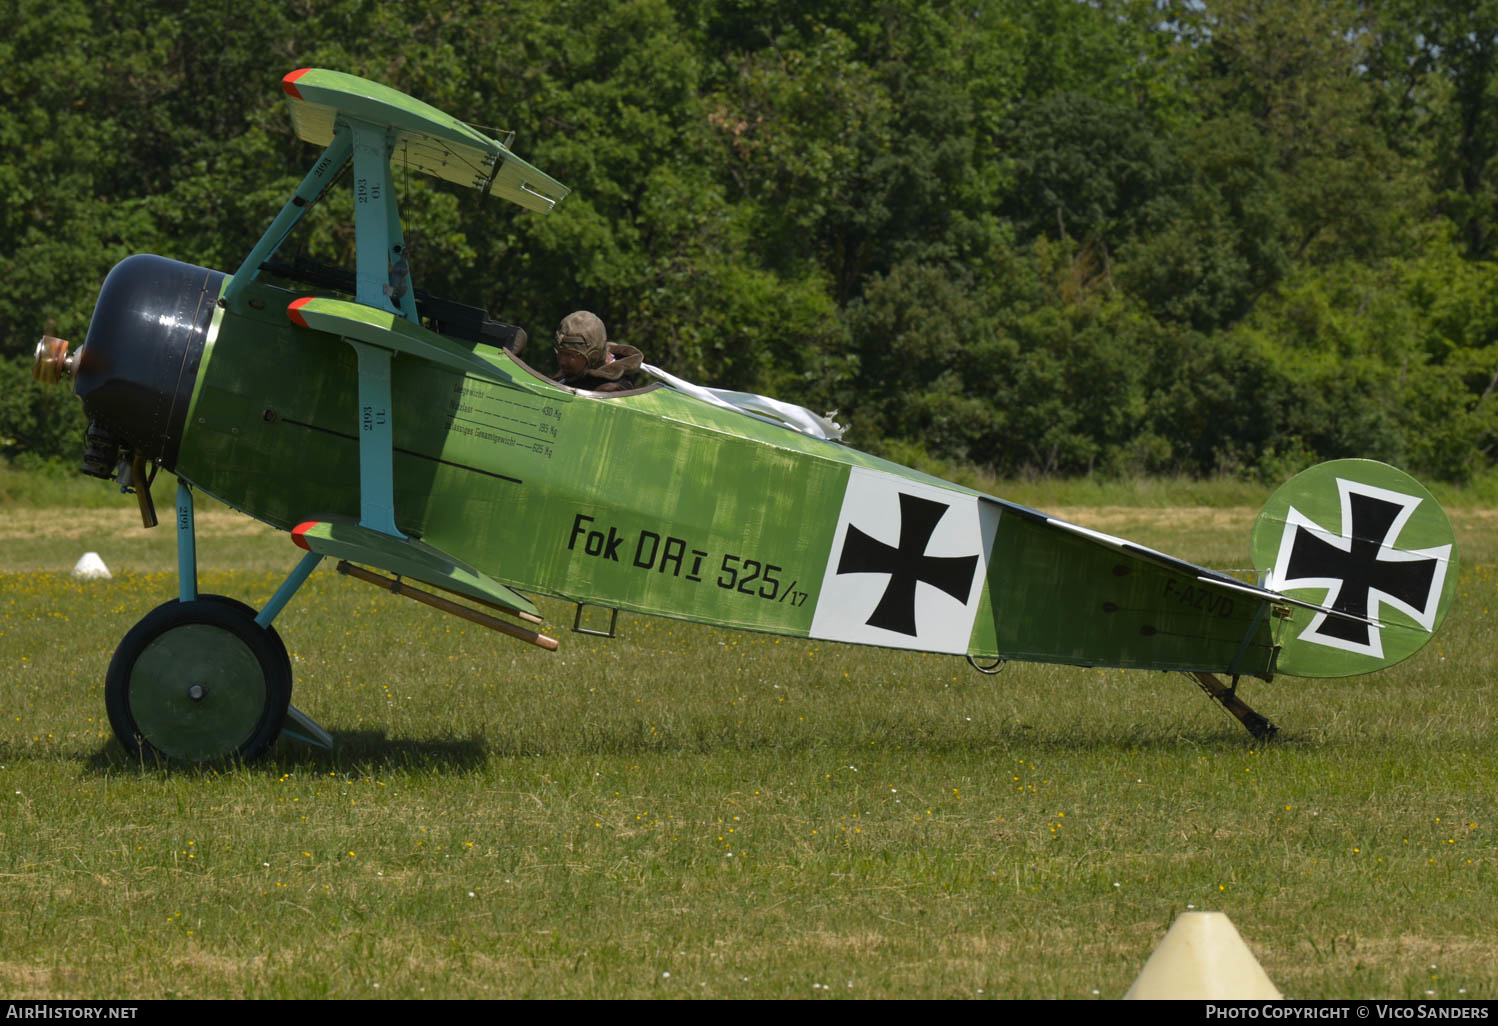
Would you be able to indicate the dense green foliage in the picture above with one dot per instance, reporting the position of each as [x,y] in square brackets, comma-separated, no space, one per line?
[1178,236]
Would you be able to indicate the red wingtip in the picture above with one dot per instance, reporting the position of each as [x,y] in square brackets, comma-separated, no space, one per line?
[289,82]
[294,311]
[299,530]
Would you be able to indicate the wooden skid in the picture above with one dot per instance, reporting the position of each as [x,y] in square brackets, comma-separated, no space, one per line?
[398,587]
[1257,725]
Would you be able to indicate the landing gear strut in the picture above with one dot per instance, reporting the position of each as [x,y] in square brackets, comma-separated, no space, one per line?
[205,678]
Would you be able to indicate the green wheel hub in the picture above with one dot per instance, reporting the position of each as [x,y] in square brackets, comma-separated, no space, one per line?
[197,692]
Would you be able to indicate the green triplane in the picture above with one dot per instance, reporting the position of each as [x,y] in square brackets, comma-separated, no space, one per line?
[397,434]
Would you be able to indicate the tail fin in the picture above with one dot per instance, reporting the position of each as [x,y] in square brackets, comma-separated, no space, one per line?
[1367,541]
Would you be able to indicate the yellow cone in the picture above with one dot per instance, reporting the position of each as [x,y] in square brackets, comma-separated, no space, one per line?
[1203,958]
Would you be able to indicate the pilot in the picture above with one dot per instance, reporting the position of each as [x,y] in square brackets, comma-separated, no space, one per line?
[589,361]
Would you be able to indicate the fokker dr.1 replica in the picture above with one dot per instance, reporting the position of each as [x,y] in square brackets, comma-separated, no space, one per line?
[398,435]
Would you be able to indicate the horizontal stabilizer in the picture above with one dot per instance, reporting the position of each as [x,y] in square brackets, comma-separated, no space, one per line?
[408,558]
[1206,576]
[425,139]
[1068,594]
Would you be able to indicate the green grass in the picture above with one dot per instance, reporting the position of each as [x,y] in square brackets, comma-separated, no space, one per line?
[754,817]
[56,486]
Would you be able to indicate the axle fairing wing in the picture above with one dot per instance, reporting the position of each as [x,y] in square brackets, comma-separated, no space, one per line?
[406,557]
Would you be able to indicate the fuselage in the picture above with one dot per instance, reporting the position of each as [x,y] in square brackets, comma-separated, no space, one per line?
[650,501]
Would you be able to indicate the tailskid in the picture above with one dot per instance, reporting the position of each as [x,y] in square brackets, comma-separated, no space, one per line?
[1227,696]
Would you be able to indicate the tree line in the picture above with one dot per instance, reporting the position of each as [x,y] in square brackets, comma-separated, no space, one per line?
[1036,236]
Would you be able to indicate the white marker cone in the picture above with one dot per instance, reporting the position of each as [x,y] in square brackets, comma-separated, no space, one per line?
[91,568]
[1202,958]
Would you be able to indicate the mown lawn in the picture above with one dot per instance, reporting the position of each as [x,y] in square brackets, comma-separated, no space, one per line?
[690,812]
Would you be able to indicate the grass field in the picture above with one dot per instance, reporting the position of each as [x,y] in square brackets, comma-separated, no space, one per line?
[685,812]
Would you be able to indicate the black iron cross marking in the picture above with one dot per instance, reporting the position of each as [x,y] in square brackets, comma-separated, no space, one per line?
[1359,569]
[907,564]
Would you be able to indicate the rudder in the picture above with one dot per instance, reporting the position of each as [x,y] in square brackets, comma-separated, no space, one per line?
[1363,538]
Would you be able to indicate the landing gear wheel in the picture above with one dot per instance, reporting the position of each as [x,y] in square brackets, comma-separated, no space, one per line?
[198,682]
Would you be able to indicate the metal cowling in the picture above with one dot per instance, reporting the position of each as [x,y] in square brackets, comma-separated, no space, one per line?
[136,370]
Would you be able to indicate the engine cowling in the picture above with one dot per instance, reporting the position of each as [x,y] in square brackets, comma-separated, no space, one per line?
[136,370]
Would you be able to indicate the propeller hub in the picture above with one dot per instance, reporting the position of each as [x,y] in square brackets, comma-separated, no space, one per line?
[52,361]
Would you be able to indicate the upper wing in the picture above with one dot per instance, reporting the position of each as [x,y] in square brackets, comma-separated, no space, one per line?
[426,139]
